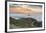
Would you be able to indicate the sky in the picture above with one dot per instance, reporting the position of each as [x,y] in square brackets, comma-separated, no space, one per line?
[22,12]
[25,9]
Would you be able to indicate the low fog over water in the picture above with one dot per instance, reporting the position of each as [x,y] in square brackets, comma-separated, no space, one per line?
[38,17]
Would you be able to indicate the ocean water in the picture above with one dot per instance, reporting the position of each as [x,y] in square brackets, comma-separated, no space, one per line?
[38,17]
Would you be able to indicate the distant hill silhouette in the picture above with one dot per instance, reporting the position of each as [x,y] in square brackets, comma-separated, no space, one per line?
[26,22]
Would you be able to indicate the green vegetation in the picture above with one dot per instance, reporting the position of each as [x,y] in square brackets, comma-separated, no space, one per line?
[25,22]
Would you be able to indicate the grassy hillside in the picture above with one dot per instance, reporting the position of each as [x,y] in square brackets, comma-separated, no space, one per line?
[25,22]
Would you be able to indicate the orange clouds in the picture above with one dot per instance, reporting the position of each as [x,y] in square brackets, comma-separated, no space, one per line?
[19,10]
[25,10]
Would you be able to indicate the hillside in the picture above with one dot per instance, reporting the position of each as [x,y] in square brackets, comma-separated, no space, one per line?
[25,22]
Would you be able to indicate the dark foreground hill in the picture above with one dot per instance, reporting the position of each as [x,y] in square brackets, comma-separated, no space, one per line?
[25,22]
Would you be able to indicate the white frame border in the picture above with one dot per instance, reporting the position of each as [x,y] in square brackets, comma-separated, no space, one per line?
[22,29]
